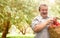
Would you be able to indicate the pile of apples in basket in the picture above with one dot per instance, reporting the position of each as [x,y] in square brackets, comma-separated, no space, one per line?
[54,28]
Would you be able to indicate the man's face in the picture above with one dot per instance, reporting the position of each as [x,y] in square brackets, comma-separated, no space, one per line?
[44,11]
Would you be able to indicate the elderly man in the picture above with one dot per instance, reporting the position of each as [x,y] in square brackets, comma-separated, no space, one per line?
[41,22]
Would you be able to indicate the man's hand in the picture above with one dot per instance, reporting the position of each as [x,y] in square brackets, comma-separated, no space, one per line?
[49,21]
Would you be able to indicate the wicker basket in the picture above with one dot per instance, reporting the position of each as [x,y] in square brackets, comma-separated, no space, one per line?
[54,32]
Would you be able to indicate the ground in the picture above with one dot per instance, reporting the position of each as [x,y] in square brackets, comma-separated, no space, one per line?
[19,36]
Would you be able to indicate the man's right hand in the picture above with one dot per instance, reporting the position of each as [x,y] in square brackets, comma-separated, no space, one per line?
[50,20]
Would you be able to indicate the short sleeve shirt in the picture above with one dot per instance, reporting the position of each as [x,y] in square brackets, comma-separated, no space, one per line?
[43,33]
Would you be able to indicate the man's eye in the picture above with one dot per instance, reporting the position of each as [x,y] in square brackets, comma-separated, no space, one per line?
[44,9]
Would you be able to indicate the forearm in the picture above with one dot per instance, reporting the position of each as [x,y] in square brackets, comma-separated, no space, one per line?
[40,26]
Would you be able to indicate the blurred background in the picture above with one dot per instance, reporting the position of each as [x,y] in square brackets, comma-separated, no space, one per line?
[16,16]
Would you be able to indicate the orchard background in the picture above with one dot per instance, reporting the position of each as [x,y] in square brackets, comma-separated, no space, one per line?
[16,16]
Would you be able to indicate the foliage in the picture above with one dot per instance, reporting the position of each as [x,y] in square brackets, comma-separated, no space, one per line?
[56,9]
[23,11]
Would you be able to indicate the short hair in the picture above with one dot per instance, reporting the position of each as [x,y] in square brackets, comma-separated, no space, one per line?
[42,5]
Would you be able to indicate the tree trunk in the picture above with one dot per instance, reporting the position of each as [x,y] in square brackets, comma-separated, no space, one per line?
[23,31]
[6,28]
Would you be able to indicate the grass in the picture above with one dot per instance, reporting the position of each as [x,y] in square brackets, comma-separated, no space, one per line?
[19,36]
